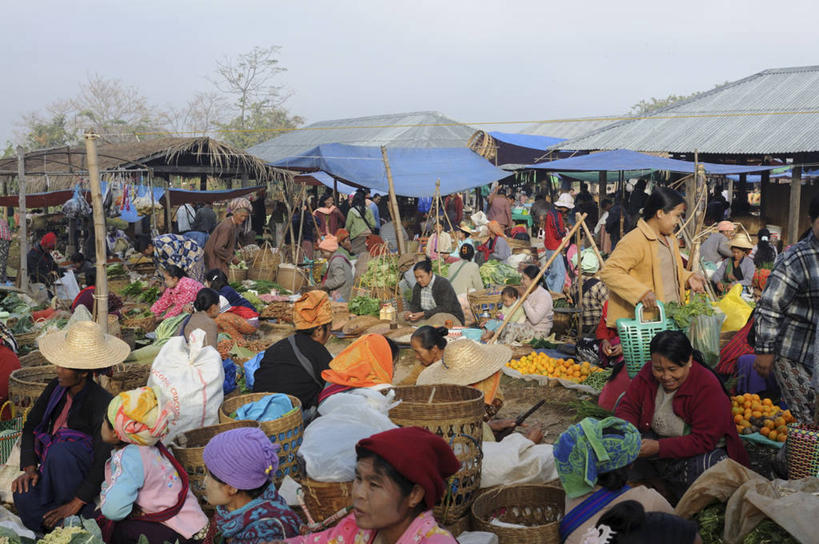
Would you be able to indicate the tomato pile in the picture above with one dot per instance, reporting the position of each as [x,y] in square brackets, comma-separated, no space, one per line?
[542,364]
[753,414]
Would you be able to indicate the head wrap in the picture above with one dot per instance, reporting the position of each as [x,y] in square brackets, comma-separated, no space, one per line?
[496,229]
[137,418]
[589,263]
[239,204]
[418,455]
[341,234]
[723,226]
[585,451]
[365,362]
[312,310]
[7,338]
[330,243]
[244,458]
[49,241]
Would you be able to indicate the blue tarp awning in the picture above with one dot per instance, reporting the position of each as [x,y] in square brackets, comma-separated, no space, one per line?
[414,170]
[531,141]
[623,159]
[328,181]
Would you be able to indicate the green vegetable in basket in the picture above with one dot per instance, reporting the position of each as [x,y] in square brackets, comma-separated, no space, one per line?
[597,380]
[150,295]
[364,306]
[683,313]
[133,289]
[116,271]
[23,325]
[497,273]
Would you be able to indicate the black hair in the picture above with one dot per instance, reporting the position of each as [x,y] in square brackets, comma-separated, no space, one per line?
[502,191]
[606,202]
[394,349]
[425,265]
[142,243]
[633,525]
[765,253]
[431,336]
[216,278]
[813,209]
[175,271]
[510,291]
[310,331]
[467,252]
[252,493]
[662,198]
[584,187]
[205,298]
[383,468]
[91,278]
[531,271]
[78,258]
[325,196]
[675,346]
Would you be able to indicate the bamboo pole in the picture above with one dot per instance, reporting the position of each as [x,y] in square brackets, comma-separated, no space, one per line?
[101,290]
[536,280]
[168,215]
[393,205]
[579,271]
[437,204]
[301,207]
[593,244]
[22,270]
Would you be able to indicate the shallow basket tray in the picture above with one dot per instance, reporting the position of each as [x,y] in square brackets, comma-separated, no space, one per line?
[538,507]
[286,431]
[26,338]
[324,499]
[188,448]
[27,384]
[455,413]
[802,450]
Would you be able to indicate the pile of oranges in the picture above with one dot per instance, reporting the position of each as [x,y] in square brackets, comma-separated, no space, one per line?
[542,364]
[753,414]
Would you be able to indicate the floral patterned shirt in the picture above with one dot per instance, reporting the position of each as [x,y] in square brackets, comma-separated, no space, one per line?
[173,300]
[423,530]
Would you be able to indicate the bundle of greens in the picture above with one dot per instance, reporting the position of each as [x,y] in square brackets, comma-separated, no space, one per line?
[497,273]
[542,343]
[14,304]
[364,306]
[382,272]
[150,295]
[23,325]
[598,380]
[682,314]
[116,270]
[134,289]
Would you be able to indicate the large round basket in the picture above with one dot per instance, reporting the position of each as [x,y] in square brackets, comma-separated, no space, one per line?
[35,358]
[264,264]
[26,338]
[323,499]
[290,277]
[188,448]
[455,413]
[287,431]
[127,376]
[538,507]
[802,448]
[235,275]
[27,384]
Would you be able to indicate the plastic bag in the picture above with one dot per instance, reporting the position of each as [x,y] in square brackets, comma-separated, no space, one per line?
[704,333]
[476,537]
[517,460]
[229,367]
[67,286]
[328,448]
[736,310]
[76,206]
[189,377]
[250,368]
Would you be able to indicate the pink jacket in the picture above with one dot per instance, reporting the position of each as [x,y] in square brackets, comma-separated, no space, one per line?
[173,300]
[423,530]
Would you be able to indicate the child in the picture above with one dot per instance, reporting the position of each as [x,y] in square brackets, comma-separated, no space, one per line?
[240,466]
[145,490]
[509,297]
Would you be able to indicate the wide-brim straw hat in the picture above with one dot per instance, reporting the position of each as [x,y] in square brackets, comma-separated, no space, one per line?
[466,362]
[742,241]
[83,346]
[565,201]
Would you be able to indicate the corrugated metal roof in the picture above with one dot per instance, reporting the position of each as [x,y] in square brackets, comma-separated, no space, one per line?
[773,112]
[569,128]
[418,129]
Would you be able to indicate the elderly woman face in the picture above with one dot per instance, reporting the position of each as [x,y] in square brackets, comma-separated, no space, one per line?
[422,277]
[739,253]
[670,374]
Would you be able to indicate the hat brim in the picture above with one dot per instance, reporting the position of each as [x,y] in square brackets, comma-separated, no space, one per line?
[57,352]
[495,357]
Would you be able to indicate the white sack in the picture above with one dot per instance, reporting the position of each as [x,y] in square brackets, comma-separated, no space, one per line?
[517,460]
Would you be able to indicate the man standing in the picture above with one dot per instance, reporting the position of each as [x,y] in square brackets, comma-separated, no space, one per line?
[205,219]
[500,209]
[219,249]
[184,218]
[786,319]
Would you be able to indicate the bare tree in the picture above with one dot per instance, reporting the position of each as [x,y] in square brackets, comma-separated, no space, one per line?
[201,116]
[249,79]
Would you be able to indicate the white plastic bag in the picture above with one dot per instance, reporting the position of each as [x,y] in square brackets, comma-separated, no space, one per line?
[328,448]
[476,537]
[517,460]
[67,286]
[189,378]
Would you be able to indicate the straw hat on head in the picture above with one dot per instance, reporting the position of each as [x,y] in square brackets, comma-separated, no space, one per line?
[742,241]
[565,201]
[83,346]
[466,362]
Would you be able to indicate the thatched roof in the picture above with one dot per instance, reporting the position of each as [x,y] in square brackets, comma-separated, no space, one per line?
[190,157]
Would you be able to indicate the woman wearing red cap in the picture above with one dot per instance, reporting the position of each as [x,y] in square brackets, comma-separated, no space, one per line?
[41,265]
[399,476]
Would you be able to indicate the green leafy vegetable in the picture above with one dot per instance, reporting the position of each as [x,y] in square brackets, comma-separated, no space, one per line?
[382,272]
[150,295]
[542,343]
[586,408]
[133,289]
[364,306]
[683,313]
[116,271]
[497,273]
[598,380]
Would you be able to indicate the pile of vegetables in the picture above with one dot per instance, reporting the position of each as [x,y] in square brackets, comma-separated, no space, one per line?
[497,273]
[141,292]
[14,304]
[711,521]
[682,314]
[364,306]
[241,266]
[116,270]
[441,268]
[382,272]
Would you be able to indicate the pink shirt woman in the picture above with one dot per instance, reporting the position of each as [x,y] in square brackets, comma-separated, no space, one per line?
[180,291]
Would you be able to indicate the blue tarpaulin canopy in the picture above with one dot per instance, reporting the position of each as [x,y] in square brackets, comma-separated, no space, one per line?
[531,141]
[623,159]
[328,181]
[414,170]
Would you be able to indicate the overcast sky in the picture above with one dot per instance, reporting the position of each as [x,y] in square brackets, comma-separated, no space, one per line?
[475,61]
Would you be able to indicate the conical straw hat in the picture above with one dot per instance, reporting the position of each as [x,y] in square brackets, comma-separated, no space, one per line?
[466,362]
[84,347]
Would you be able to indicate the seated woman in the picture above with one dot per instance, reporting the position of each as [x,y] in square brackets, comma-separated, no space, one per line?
[593,484]
[465,276]
[240,467]
[496,247]
[180,291]
[432,295]
[738,268]
[206,309]
[62,454]
[367,362]
[629,521]
[86,296]
[538,309]
[428,343]
[146,490]
[439,243]
[239,305]
[400,475]
[684,413]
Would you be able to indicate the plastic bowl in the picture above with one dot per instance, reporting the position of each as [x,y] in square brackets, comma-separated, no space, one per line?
[472,334]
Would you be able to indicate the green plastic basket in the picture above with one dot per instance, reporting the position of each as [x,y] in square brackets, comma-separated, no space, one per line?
[10,431]
[636,335]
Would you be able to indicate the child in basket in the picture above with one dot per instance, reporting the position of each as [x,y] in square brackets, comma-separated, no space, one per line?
[509,296]
[240,466]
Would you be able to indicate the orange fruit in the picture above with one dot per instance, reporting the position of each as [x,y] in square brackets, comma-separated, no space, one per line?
[747,413]
[756,413]
[765,431]
[755,397]
[770,425]
[747,404]
[772,435]
[780,422]
[781,437]
[767,402]
[736,410]
[782,430]
[738,418]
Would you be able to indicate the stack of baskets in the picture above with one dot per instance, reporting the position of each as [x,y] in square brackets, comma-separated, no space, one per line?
[636,335]
[264,264]
[802,447]
[27,384]
[488,300]
[538,508]
[188,448]
[286,431]
[455,413]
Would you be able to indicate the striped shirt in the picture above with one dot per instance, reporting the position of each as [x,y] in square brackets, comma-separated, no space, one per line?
[5,232]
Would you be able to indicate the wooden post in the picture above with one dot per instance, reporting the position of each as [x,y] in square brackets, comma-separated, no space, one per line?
[579,271]
[764,186]
[101,290]
[22,270]
[436,203]
[795,202]
[394,212]
[602,182]
[168,214]
[536,280]
[730,190]
[691,194]
[335,194]
[203,182]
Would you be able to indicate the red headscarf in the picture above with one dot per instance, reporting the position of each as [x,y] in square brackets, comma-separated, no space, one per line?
[49,241]
[418,455]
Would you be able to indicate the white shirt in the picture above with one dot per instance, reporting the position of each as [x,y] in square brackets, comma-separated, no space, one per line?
[184,217]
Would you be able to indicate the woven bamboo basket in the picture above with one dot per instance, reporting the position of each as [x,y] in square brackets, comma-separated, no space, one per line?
[460,525]
[265,264]
[514,243]
[455,413]
[127,376]
[27,384]
[802,448]
[538,507]
[278,309]
[323,499]
[188,448]
[236,275]
[287,431]
[144,268]
[35,358]
[26,338]
[144,324]
[290,277]
[488,299]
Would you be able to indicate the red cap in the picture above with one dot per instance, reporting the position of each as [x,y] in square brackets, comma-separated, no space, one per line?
[49,241]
